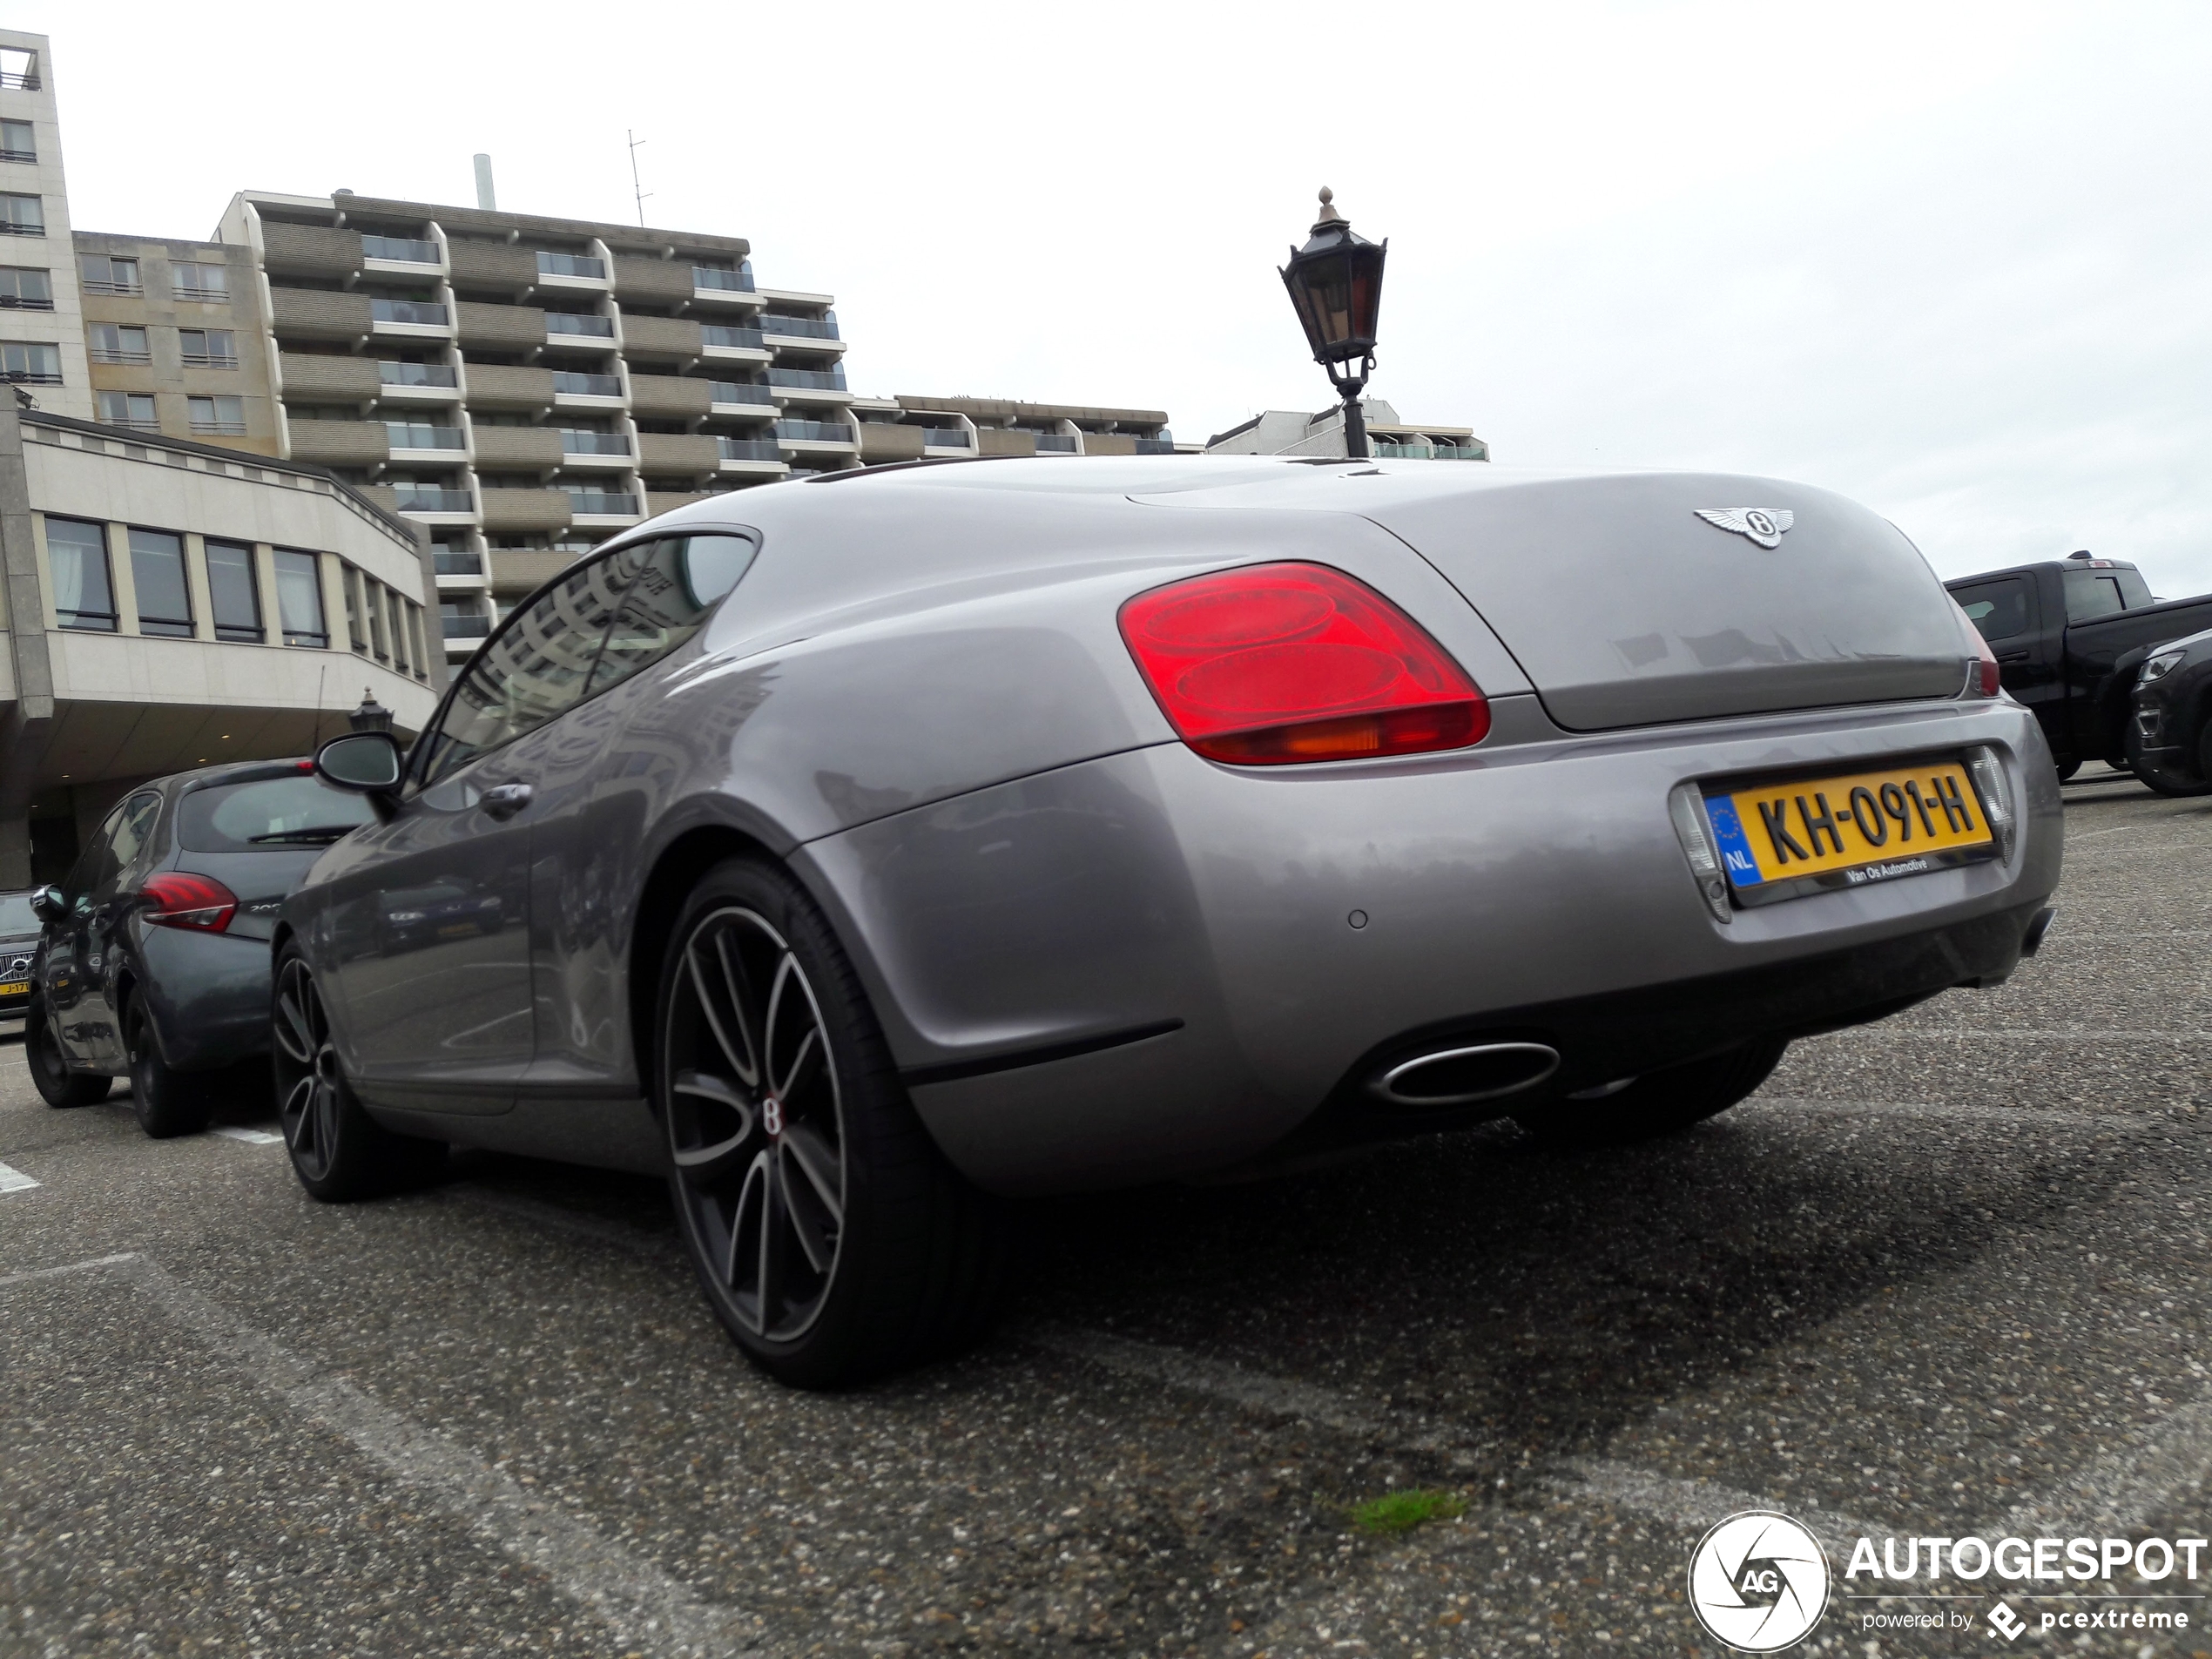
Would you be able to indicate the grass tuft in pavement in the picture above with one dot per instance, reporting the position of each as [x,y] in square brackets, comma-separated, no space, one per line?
[1403,1511]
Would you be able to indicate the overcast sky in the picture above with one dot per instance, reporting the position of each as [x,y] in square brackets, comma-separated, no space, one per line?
[1952,261]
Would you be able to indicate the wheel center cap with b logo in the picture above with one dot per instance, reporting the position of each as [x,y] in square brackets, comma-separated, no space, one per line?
[771,1116]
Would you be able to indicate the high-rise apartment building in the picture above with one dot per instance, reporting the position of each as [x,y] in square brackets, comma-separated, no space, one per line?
[42,327]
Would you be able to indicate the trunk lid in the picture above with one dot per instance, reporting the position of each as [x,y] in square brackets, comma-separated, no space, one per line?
[1626,608]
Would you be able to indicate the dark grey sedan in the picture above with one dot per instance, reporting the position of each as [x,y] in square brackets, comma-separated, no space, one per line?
[154,958]
[855,850]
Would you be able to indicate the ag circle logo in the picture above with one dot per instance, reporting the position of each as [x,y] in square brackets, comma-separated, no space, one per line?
[1758,1581]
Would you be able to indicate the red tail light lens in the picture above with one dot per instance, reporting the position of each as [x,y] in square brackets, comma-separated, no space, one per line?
[199,903]
[1272,665]
[1983,676]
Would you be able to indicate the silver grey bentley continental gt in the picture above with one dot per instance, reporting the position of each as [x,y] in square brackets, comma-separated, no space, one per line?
[857,851]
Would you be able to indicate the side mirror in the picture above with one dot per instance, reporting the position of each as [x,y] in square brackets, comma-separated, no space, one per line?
[48,905]
[367,762]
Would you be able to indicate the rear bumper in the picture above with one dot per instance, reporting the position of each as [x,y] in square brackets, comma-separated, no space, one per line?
[208,995]
[1150,965]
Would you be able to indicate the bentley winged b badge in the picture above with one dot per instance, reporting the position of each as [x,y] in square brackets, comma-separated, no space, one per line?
[1765,525]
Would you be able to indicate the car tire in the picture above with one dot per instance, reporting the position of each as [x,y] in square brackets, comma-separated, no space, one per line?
[2066,769]
[338,1151]
[49,1071]
[167,1101]
[2166,781]
[1659,1103]
[832,1238]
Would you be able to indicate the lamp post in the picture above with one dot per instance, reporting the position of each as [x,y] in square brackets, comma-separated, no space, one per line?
[1335,283]
[371,716]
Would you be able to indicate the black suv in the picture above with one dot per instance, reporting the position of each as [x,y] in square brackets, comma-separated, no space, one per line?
[154,962]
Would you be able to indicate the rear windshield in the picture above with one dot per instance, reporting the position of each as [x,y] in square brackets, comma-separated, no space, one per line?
[273,814]
[14,914]
[2105,593]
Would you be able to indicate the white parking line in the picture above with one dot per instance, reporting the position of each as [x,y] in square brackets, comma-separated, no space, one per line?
[93,1266]
[12,1180]
[2130,1486]
[646,1611]
[1694,1505]
[251,1137]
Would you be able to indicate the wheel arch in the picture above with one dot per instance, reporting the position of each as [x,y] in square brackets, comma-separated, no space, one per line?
[676,870]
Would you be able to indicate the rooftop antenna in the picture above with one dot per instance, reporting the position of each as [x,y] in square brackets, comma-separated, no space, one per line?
[635,184]
[485,199]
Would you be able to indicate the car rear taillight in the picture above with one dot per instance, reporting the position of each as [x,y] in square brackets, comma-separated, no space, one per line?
[1983,676]
[1272,664]
[174,899]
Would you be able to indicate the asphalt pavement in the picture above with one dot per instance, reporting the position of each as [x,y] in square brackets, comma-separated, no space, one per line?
[1944,1276]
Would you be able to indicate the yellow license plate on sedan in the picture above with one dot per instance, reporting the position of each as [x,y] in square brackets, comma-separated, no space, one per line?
[1777,839]
[14,987]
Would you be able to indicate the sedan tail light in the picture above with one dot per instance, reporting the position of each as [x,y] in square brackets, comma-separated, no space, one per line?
[174,899]
[1273,664]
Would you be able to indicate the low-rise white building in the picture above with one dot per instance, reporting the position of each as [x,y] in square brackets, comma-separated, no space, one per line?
[168,603]
[1292,432]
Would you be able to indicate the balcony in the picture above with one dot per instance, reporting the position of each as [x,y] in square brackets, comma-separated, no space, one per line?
[417,374]
[208,359]
[731,338]
[946,437]
[198,295]
[741,392]
[205,426]
[128,359]
[748,449]
[571,265]
[814,432]
[32,155]
[128,290]
[13,226]
[1054,443]
[817,380]
[799,327]
[1461,452]
[1156,446]
[413,314]
[715,279]
[568,382]
[406,250]
[25,302]
[575,443]
[415,498]
[421,435]
[583,504]
[584,324]
[454,562]
[464,627]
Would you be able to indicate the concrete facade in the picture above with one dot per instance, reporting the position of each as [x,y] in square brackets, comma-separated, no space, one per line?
[912,427]
[42,334]
[1290,432]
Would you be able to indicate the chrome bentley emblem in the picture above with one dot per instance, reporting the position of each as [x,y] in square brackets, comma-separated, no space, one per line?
[1765,525]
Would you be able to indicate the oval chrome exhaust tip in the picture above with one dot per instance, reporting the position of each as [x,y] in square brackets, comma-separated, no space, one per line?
[1465,1075]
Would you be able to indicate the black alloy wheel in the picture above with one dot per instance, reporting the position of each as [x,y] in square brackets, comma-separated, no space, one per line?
[2161,776]
[338,1151]
[830,1237]
[1659,1103]
[167,1102]
[49,1071]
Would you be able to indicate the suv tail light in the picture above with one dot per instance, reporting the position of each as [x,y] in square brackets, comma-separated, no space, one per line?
[174,899]
[1983,676]
[1272,665]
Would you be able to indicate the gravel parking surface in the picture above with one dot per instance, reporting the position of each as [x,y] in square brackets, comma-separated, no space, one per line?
[1945,1276]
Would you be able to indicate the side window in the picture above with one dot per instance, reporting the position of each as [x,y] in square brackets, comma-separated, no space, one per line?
[1998,609]
[532,669]
[123,835]
[2092,594]
[677,584]
[97,864]
[140,813]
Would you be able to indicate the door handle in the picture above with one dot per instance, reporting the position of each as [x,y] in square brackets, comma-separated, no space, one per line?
[2011,655]
[503,800]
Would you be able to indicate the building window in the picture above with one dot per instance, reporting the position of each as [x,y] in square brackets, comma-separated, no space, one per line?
[23,288]
[377,645]
[157,572]
[349,588]
[232,594]
[101,274]
[421,651]
[208,348]
[210,284]
[399,631]
[76,558]
[220,416]
[115,343]
[30,363]
[130,409]
[18,142]
[22,215]
[298,580]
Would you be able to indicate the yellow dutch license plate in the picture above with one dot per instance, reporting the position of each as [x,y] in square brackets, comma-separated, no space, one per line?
[1779,839]
[14,987]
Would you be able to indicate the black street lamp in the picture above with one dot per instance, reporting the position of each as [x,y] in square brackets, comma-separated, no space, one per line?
[1336,288]
[371,716]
